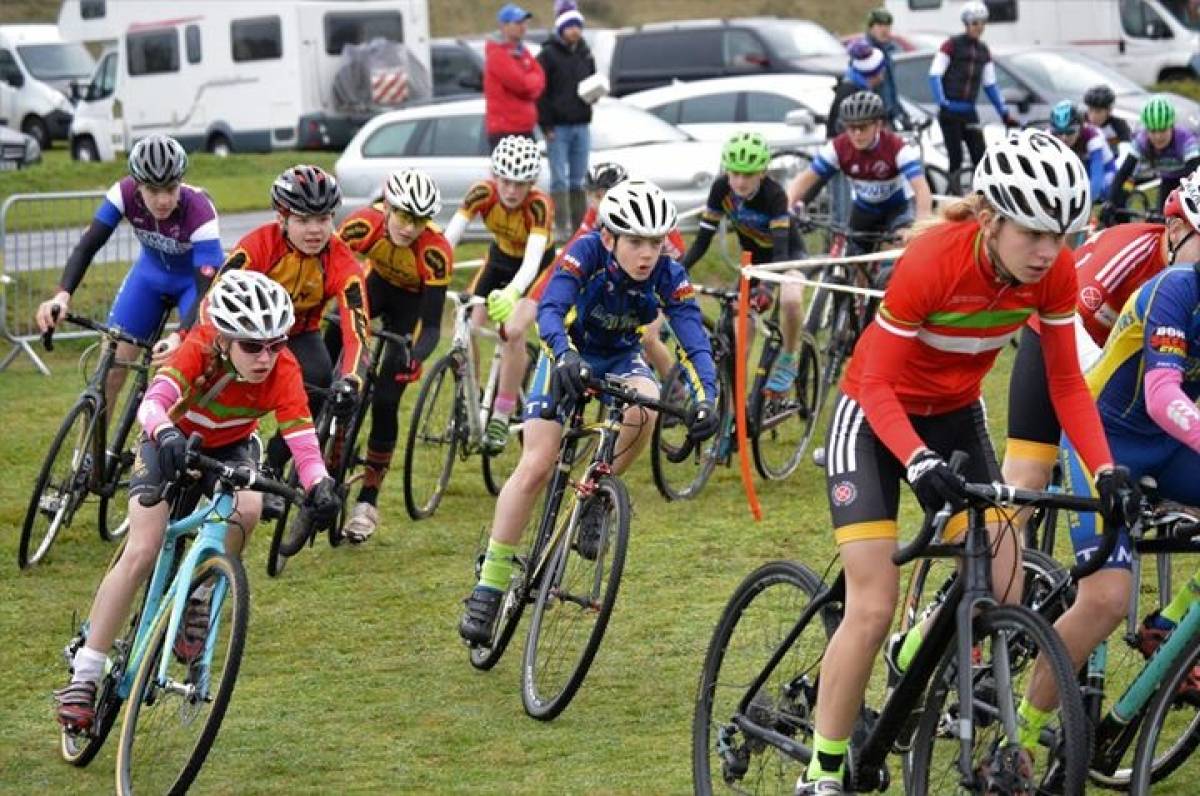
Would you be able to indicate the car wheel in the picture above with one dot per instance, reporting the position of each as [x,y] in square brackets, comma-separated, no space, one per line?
[36,129]
[219,145]
[84,149]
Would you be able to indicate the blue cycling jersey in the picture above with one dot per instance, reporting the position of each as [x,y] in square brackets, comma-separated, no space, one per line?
[594,306]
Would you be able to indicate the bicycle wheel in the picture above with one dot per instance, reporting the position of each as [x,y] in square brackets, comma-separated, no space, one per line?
[1171,727]
[484,657]
[680,467]
[277,555]
[499,466]
[760,614]
[784,426]
[112,520]
[61,486]
[1006,640]
[576,599]
[433,438]
[344,461]
[170,725]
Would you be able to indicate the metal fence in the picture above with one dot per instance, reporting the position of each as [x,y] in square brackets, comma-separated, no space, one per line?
[37,233]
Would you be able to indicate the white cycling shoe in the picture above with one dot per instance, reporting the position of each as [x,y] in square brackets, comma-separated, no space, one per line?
[363,521]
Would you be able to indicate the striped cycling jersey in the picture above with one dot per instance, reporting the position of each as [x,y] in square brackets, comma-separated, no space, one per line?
[510,228]
[427,261]
[1109,267]
[753,219]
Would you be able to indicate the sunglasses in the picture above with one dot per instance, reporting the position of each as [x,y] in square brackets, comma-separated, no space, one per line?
[406,219]
[256,347]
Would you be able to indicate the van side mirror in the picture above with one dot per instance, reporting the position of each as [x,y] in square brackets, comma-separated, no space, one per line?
[800,117]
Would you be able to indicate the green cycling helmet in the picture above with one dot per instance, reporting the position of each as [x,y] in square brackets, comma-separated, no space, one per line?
[1158,114]
[746,153]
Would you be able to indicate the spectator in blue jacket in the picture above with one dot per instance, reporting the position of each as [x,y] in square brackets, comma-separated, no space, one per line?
[879,36]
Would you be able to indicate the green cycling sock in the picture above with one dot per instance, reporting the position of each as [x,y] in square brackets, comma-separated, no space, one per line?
[908,649]
[497,565]
[829,758]
[1033,720]
[1184,597]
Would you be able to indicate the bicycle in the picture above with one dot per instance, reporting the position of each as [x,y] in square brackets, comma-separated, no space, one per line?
[84,457]
[450,419]
[165,693]
[342,452]
[779,426]
[572,595]
[744,735]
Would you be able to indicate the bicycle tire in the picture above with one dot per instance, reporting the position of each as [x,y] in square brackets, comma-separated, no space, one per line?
[571,593]
[147,700]
[1006,632]
[771,414]
[112,515]
[433,390]
[719,760]
[79,423]
[670,436]
[344,453]
[1148,768]
[516,597]
[277,555]
[498,467]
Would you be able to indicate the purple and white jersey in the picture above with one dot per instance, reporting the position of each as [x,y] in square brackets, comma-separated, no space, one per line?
[1169,162]
[189,238]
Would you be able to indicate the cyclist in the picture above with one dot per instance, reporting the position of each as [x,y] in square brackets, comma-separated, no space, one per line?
[757,209]
[1110,266]
[600,178]
[521,219]
[408,263]
[1170,150]
[1099,101]
[229,372]
[961,290]
[299,251]
[612,282]
[961,65]
[181,249]
[1068,126]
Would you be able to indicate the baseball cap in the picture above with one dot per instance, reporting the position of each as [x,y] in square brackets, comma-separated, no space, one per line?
[511,12]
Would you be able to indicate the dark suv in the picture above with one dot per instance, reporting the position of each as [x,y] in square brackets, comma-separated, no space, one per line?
[657,54]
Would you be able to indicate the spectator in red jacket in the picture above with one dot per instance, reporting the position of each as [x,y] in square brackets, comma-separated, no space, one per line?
[512,79]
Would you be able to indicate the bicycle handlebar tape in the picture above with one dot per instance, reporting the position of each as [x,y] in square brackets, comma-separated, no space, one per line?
[741,344]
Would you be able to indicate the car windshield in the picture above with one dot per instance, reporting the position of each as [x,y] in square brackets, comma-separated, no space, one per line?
[1186,11]
[1068,75]
[618,125]
[801,39]
[56,61]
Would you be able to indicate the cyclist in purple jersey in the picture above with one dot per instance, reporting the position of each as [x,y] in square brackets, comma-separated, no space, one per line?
[181,249]
[1171,150]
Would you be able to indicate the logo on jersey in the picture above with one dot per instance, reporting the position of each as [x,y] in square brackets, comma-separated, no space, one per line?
[540,213]
[684,292]
[571,265]
[435,259]
[1168,340]
[1091,297]
[881,169]
[236,260]
[354,230]
[1183,413]
[843,493]
[480,192]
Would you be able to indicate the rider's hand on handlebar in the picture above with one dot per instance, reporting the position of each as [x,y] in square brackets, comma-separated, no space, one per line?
[502,302]
[568,378]
[344,399]
[1119,498]
[322,502]
[933,482]
[703,421]
[164,348]
[51,310]
[172,452]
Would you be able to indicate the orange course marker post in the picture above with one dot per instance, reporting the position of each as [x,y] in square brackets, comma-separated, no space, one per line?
[741,343]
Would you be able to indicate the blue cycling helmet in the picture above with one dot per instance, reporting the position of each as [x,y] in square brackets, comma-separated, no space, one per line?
[1065,118]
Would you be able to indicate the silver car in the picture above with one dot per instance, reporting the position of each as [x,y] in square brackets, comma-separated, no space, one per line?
[447,141]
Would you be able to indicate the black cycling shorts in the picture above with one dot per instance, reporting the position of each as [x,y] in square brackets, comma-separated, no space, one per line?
[147,476]
[499,269]
[863,477]
[1033,428]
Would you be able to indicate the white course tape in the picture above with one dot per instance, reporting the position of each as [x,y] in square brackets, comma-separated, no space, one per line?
[758,272]
[815,263]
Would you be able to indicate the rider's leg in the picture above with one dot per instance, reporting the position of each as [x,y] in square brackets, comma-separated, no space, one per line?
[637,424]
[1033,429]
[656,351]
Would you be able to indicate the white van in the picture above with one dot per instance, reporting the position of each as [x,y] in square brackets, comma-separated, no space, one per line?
[36,71]
[250,76]
[1147,40]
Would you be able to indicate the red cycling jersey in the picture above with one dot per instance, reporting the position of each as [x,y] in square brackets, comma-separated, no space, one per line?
[944,319]
[1109,267]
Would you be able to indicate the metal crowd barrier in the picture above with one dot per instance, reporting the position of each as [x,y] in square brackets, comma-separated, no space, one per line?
[37,233]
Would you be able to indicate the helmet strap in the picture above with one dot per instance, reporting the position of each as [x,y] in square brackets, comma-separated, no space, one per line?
[1002,273]
[1173,248]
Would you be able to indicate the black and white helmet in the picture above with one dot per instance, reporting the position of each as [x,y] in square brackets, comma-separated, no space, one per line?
[603,176]
[1037,181]
[861,106]
[305,191]
[636,207]
[158,161]
[414,192]
[517,158]
[974,11]
[248,305]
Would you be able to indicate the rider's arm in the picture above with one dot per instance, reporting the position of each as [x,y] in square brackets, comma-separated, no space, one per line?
[352,312]
[107,217]
[908,161]
[808,183]
[1117,196]
[1096,174]
[937,68]
[678,299]
[1165,356]
[290,406]
[992,90]
[780,225]
[155,410]
[436,265]
[541,210]
[710,219]
[562,291]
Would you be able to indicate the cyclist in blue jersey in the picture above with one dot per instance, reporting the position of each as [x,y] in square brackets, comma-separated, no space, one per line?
[1088,143]
[610,284]
[181,249]
[1171,150]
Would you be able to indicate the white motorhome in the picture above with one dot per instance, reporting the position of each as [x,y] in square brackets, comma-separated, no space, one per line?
[220,76]
[1147,40]
[36,71]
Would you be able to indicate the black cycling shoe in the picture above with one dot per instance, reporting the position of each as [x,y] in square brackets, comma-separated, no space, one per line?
[478,621]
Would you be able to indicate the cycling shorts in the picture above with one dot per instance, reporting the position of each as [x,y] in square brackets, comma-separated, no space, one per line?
[499,269]
[147,294]
[1033,428]
[146,476]
[624,365]
[863,477]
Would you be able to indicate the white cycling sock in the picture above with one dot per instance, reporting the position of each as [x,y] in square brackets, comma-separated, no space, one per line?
[88,665]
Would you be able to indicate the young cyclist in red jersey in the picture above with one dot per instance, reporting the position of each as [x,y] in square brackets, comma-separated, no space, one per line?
[229,372]
[299,251]
[911,395]
[1109,267]
[408,264]
[521,219]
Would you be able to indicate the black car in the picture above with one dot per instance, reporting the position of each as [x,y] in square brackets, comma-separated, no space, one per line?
[657,54]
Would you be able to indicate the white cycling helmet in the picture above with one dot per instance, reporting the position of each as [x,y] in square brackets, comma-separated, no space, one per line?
[414,192]
[1184,201]
[516,158]
[248,305]
[1037,181]
[974,11]
[636,207]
